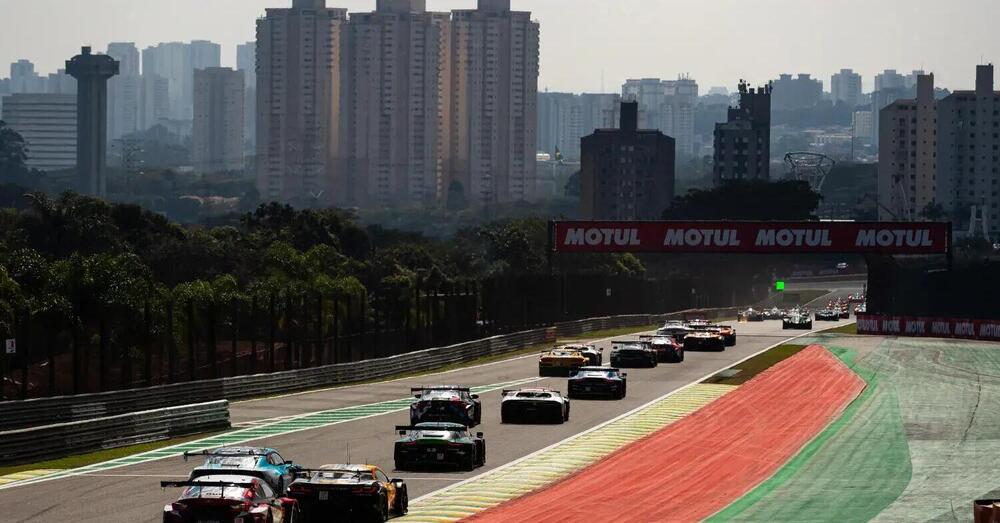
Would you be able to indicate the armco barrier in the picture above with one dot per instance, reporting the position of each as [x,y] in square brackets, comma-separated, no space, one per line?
[882,325]
[54,441]
[44,411]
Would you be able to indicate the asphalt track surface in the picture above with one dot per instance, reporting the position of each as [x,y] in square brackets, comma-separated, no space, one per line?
[132,494]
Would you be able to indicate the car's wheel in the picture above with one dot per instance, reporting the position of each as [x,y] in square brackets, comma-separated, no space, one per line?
[402,502]
[469,462]
[566,416]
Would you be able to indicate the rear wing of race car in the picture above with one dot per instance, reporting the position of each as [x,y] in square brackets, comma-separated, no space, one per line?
[226,454]
[417,391]
[218,484]
[404,429]
[514,391]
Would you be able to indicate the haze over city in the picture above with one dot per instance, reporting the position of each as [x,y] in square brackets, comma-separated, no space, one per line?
[716,41]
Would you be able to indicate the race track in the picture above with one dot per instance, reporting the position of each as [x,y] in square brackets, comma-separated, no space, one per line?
[365,430]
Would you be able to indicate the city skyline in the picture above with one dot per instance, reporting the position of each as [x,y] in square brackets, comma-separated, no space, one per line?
[663,42]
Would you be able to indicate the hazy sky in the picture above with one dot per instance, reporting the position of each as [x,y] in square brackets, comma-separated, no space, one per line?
[716,41]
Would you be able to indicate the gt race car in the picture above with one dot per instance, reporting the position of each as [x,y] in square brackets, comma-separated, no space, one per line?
[667,348]
[561,362]
[633,354]
[363,492]
[275,470]
[828,315]
[598,382]
[439,444]
[595,355]
[445,403]
[228,496]
[676,330]
[752,314]
[534,405]
[707,339]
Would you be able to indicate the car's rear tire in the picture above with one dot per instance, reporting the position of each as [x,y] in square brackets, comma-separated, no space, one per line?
[402,502]
[469,463]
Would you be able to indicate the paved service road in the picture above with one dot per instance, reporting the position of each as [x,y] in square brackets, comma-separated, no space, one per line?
[132,493]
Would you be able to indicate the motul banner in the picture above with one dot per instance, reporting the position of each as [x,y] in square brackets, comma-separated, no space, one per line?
[752,237]
[879,325]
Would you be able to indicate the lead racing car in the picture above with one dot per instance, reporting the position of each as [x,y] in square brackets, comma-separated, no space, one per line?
[439,444]
[534,405]
[362,492]
[445,403]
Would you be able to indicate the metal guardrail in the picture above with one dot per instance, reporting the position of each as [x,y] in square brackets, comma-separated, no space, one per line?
[54,441]
[65,409]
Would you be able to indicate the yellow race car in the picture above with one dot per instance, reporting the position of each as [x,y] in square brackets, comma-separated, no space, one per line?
[561,362]
[363,492]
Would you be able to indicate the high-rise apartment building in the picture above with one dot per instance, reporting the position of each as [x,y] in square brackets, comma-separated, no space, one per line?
[246,61]
[801,92]
[154,100]
[651,94]
[47,122]
[889,79]
[667,105]
[124,91]
[60,83]
[399,79]
[299,103]
[493,108]
[564,119]
[24,79]
[176,62]
[217,133]
[626,173]
[846,88]
[743,143]
[968,152]
[907,173]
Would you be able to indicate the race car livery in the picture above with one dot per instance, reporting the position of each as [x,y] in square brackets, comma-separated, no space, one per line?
[445,403]
[560,362]
[676,330]
[439,444]
[598,382]
[632,354]
[728,334]
[796,321]
[667,348]
[828,315]
[362,492]
[534,406]
[595,355]
[707,339]
[228,496]
[276,471]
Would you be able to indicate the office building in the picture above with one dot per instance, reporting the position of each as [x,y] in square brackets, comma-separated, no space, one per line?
[627,173]
[907,173]
[124,91]
[743,143]
[399,74]
[24,79]
[846,88]
[47,122]
[92,73]
[889,79]
[299,102]
[802,92]
[494,64]
[968,153]
[217,132]
[862,122]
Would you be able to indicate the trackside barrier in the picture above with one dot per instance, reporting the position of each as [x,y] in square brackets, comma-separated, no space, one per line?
[911,326]
[55,441]
[44,411]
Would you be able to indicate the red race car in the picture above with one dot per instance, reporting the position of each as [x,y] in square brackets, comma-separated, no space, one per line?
[241,497]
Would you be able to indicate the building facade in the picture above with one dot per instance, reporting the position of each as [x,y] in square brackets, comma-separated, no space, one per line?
[846,88]
[667,105]
[246,61]
[299,156]
[47,122]
[124,91]
[968,153]
[494,89]
[743,143]
[176,62]
[801,92]
[564,119]
[154,100]
[217,132]
[24,78]
[627,173]
[907,173]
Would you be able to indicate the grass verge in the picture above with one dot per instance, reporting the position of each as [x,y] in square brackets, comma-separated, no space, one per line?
[756,365]
[82,460]
[843,329]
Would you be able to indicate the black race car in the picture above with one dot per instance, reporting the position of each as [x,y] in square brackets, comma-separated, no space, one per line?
[633,354]
[828,315]
[753,315]
[598,382]
[708,339]
[534,406]
[439,444]
[447,404]
[797,321]
[360,492]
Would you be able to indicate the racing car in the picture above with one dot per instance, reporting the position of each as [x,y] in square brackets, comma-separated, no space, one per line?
[707,339]
[598,382]
[796,320]
[632,354]
[560,362]
[445,403]
[363,492]
[533,405]
[667,348]
[728,334]
[676,330]
[773,313]
[244,496]
[752,314]
[828,315]
[275,470]
[594,354]
[437,444]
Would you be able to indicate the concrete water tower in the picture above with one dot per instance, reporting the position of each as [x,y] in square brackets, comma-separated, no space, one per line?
[92,73]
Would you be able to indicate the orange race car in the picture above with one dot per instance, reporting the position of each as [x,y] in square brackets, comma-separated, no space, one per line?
[561,362]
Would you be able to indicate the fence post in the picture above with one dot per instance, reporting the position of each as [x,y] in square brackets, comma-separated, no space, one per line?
[270,340]
[192,363]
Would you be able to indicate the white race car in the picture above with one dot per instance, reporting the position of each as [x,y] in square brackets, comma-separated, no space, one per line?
[534,406]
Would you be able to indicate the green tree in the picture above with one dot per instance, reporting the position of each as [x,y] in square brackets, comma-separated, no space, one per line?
[13,153]
[748,200]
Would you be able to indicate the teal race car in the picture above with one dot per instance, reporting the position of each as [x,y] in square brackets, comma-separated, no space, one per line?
[439,445]
[267,462]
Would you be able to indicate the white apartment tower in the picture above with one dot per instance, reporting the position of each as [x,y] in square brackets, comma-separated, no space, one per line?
[217,133]
[299,100]
[398,70]
[846,88]
[494,105]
